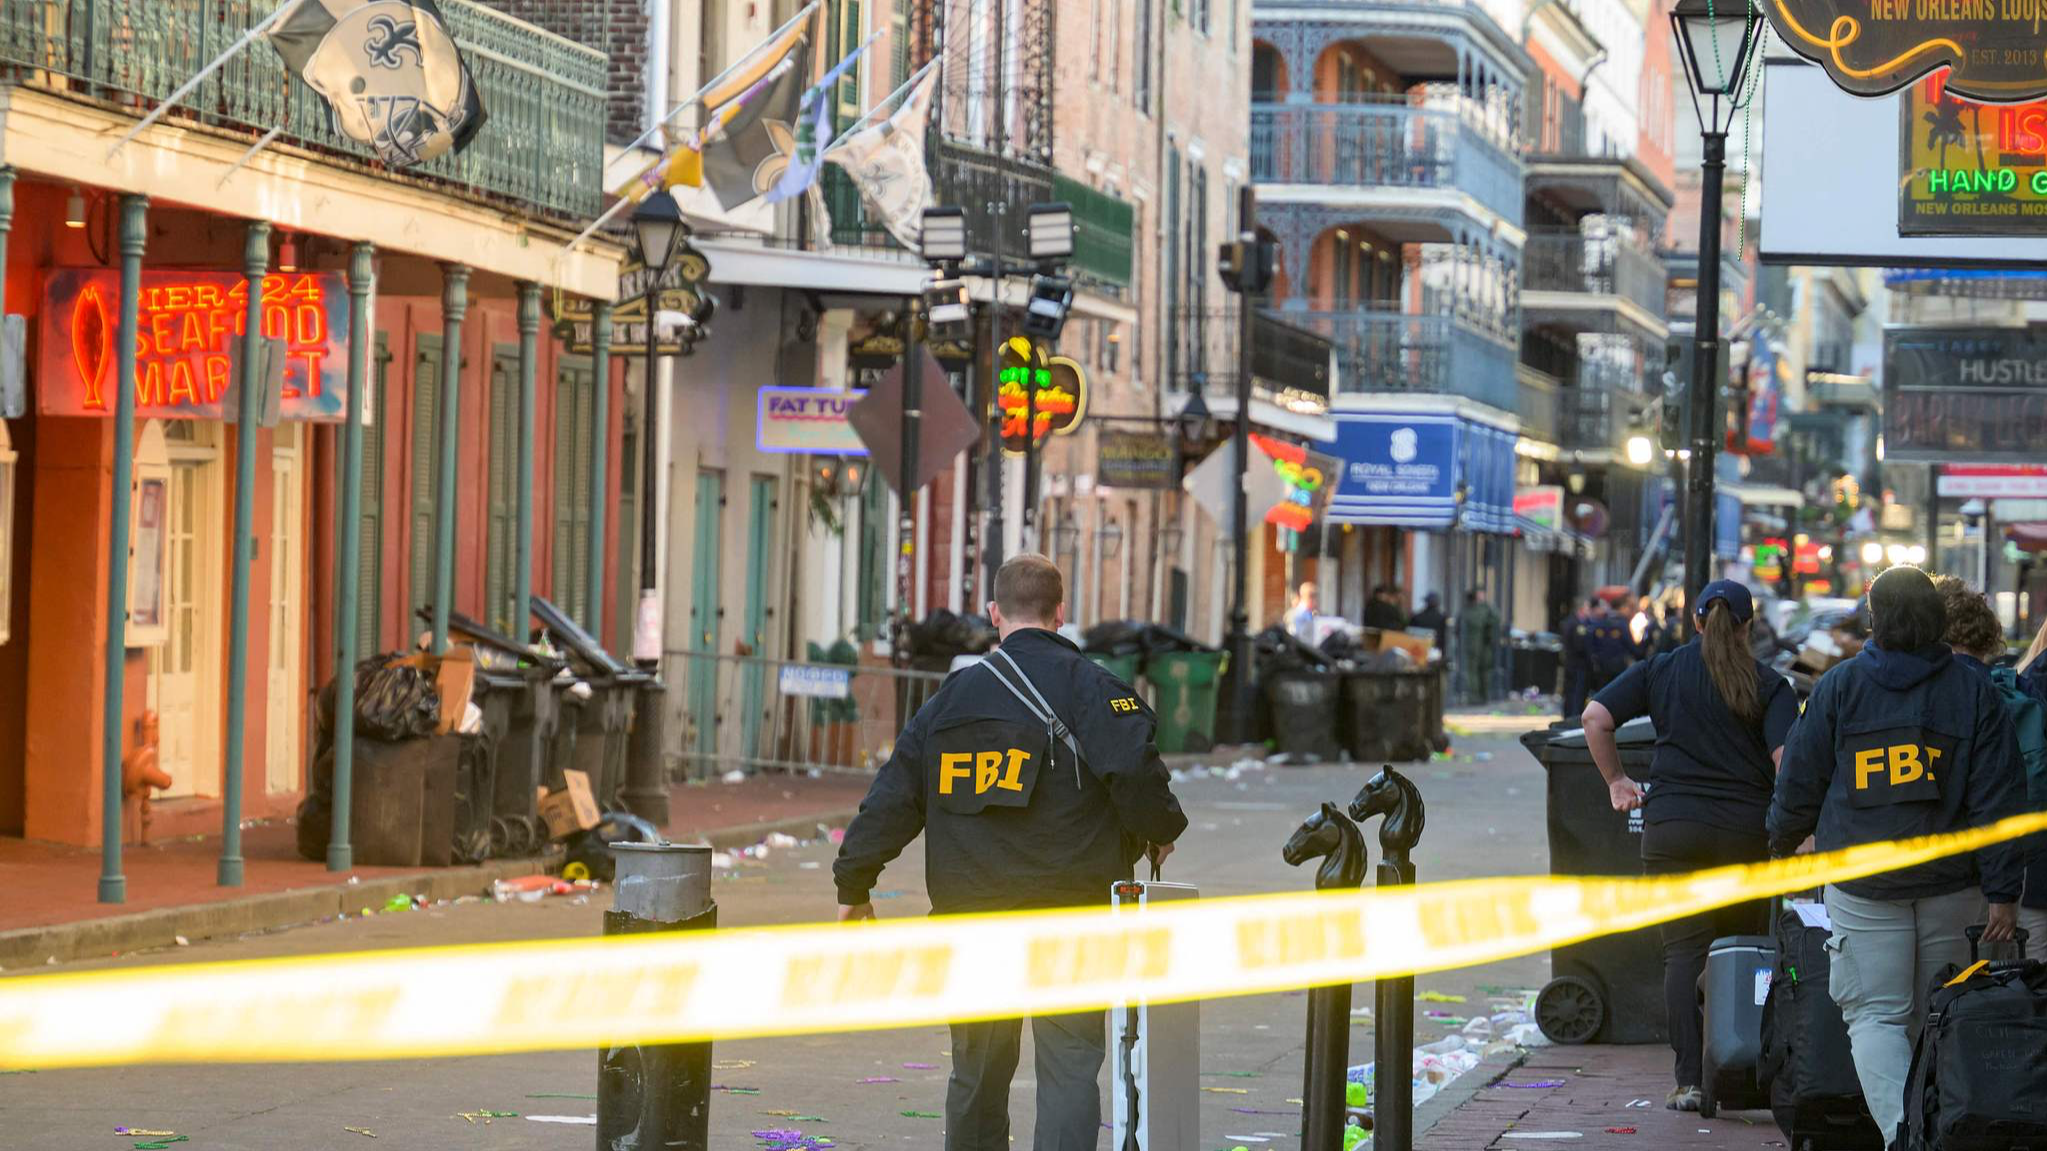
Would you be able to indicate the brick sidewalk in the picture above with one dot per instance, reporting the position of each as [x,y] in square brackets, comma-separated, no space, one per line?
[1590,1108]
[50,884]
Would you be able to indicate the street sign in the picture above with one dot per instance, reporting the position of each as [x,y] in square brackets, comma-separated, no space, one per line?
[680,291]
[1965,395]
[1970,169]
[945,429]
[1991,481]
[815,682]
[1992,48]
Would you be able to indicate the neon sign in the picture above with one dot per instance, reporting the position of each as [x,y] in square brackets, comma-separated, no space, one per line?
[1030,383]
[1991,49]
[1304,477]
[188,342]
[1970,169]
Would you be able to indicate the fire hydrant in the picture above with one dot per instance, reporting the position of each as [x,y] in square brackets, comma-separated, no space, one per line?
[139,774]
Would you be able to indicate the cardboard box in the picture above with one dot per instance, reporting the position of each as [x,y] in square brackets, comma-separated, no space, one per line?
[571,809]
[1417,647]
[454,680]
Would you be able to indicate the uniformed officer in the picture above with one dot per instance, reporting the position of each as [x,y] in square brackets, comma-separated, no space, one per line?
[1901,741]
[1036,783]
[1608,647]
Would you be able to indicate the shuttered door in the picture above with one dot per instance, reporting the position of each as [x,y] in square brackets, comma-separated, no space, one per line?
[500,540]
[425,453]
[370,543]
[574,399]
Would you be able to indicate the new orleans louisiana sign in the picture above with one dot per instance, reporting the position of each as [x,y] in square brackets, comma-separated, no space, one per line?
[1996,49]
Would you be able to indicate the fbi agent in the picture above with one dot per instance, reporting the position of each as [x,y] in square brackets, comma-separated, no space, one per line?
[1902,740]
[1036,783]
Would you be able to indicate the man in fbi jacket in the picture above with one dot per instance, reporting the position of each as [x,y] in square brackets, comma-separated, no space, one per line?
[1036,782]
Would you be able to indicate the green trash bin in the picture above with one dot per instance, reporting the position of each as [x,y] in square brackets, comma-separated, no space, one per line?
[1123,667]
[1185,683]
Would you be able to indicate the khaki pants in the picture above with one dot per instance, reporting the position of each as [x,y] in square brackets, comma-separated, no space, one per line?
[1883,954]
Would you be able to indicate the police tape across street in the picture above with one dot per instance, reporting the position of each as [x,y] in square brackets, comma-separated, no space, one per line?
[814,979]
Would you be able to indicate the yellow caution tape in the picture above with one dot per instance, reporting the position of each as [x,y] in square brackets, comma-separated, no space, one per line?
[492,998]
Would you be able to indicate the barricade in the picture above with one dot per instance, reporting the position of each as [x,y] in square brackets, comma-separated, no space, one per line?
[746,713]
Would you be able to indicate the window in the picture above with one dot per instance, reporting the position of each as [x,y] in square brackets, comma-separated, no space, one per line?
[899,38]
[1198,15]
[1094,41]
[575,439]
[1176,320]
[424,524]
[850,34]
[1140,86]
[1115,23]
[501,505]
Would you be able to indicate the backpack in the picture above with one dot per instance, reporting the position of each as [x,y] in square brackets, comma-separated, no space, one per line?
[2029,717]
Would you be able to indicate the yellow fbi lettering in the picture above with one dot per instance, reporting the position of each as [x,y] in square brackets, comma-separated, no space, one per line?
[1903,763]
[1128,704]
[988,770]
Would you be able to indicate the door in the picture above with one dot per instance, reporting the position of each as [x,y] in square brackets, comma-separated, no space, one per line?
[704,612]
[184,671]
[285,664]
[574,439]
[501,540]
[424,450]
[761,507]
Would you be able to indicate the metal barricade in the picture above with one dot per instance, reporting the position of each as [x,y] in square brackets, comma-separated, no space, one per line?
[788,715]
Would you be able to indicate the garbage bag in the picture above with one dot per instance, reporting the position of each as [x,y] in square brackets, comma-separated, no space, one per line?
[1115,637]
[393,701]
[1276,649]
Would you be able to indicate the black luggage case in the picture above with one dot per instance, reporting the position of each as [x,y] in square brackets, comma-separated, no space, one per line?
[1979,1072]
[1732,991]
[1813,1089]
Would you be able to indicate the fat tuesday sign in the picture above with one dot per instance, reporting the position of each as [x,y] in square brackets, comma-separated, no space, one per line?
[1875,47]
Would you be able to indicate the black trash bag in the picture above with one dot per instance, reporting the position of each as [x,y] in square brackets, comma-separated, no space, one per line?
[1115,637]
[936,634]
[1159,639]
[1340,646]
[977,635]
[1276,649]
[393,701]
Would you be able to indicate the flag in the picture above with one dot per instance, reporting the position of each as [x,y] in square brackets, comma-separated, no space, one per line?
[813,132]
[756,140]
[886,162]
[390,72]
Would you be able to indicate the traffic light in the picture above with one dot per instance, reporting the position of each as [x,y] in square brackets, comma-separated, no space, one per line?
[1246,265]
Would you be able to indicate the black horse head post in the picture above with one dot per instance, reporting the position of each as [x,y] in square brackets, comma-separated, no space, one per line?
[1330,836]
[1394,796]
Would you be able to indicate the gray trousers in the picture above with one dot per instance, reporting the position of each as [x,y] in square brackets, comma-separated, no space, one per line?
[1883,954]
[1070,1049]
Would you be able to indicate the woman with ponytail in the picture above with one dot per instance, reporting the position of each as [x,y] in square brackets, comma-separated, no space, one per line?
[1721,719]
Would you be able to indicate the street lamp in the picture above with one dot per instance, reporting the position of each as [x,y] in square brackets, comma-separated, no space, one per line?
[659,229]
[1110,537]
[1640,450]
[1716,42]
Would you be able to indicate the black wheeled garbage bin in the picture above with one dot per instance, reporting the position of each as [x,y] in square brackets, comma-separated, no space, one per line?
[1391,716]
[601,723]
[1610,989]
[1303,704]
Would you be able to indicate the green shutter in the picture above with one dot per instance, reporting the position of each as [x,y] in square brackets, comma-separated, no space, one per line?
[426,439]
[624,568]
[499,542]
[573,410]
[370,546]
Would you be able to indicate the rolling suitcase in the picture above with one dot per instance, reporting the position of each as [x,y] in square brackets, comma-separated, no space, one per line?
[1806,1060]
[1732,991]
[1979,1073]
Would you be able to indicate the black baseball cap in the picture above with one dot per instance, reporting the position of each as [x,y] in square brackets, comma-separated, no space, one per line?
[1732,593]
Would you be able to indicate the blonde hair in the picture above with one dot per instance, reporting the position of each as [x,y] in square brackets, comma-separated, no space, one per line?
[2033,652]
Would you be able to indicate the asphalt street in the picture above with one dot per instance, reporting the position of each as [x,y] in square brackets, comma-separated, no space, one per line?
[1485,818]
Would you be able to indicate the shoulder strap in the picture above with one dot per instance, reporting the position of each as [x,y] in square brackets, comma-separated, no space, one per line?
[1034,702]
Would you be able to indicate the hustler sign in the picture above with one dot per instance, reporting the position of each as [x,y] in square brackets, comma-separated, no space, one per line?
[1965,394]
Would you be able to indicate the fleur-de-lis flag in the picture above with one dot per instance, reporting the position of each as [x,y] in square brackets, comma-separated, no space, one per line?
[390,72]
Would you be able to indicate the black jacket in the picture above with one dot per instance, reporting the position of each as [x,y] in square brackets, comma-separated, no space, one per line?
[1898,744]
[1010,820]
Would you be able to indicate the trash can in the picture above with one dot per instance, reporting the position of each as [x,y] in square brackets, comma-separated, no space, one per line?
[1387,716]
[1535,661]
[1123,667]
[1610,989]
[523,754]
[1184,683]
[1303,705]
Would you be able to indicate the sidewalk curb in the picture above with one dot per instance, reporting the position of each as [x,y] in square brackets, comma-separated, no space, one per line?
[748,834]
[1462,1089]
[139,931]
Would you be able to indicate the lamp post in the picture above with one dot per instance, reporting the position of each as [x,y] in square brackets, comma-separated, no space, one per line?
[1716,43]
[1245,265]
[658,228]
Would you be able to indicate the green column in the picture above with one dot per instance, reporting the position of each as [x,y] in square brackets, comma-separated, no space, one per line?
[348,532]
[454,306]
[600,440]
[255,261]
[529,373]
[134,216]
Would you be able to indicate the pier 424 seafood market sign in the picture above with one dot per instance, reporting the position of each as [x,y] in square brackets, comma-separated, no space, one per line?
[1996,50]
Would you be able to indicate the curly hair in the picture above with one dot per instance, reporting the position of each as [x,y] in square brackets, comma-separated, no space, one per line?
[1972,627]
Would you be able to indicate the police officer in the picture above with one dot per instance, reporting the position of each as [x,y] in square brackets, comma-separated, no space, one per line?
[1900,741]
[1609,649]
[1036,783]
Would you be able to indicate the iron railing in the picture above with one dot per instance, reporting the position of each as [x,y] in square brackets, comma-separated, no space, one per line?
[1396,351]
[1378,145]
[542,147]
[1537,405]
[1297,364]
[753,714]
[1567,260]
[1599,408]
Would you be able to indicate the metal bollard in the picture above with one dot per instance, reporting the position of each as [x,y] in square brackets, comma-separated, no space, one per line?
[1394,796]
[645,793]
[657,1096]
[1327,833]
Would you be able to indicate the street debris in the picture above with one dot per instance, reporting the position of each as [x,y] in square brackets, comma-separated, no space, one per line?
[921,1115]
[1620,1131]
[1538,1085]
[1542,1135]
[731,1064]
[881,1079]
[576,1120]
[471,1117]
[560,1095]
[1438,997]
[1226,1090]
[362,1131]
[141,1132]
[161,1144]
[920,1066]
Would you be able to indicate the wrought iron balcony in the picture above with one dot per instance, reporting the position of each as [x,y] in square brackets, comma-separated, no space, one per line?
[1366,146]
[1395,351]
[975,181]
[1601,407]
[1600,268]
[1295,365]
[542,148]
[1537,404]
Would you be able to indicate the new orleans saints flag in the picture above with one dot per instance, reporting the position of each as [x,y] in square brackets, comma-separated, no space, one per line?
[389,71]
[756,139]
